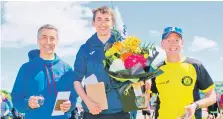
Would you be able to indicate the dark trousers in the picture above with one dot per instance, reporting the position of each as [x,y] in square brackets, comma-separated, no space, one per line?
[119,115]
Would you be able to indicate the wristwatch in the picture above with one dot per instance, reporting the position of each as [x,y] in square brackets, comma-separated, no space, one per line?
[197,106]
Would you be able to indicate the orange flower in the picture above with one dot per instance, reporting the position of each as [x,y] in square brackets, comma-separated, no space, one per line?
[119,46]
[124,56]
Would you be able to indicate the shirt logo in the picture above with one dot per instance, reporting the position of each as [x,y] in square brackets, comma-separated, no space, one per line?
[91,53]
[187,81]
[165,82]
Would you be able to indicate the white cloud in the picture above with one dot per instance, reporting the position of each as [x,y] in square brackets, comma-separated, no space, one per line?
[221,58]
[83,2]
[66,51]
[6,83]
[155,33]
[22,20]
[202,43]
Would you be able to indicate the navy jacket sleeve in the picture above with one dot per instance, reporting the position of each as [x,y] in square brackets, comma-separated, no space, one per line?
[20,102]
[80,65]
[73,99]
[73,95]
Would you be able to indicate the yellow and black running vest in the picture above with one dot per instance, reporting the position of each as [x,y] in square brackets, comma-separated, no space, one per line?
[179,86]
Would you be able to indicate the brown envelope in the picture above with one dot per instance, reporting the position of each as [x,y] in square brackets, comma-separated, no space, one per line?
[57,107]
[96,92]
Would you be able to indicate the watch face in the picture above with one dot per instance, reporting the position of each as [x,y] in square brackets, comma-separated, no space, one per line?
[197,106]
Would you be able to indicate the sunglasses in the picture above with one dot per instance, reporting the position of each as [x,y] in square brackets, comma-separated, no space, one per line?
[176,29]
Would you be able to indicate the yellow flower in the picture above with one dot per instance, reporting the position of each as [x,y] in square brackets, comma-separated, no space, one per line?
[132,41]
[111,52]
[114,57]
[137,50]
[119,46]
[133,48]
[146,55]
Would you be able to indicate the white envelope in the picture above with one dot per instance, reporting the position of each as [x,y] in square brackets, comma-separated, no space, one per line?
[92,79]
[60,96]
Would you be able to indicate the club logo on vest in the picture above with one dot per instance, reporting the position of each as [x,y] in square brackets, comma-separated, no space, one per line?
[187,81]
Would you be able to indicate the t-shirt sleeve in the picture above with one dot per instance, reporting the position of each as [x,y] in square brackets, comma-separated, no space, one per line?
[205,82]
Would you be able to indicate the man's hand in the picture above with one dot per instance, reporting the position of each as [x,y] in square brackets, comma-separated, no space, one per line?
[33,102]
[65,107]
[147,108]
[210,116]
[190,109]
[93,107]
[79,108]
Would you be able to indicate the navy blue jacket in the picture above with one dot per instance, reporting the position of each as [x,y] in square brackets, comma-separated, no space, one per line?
[89,60]
[42,77]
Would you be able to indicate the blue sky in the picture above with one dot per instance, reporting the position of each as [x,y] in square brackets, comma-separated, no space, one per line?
[201,23]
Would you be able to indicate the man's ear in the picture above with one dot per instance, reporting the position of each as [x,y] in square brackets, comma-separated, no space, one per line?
[37,40]
[57,41]
[162,44]
[113,23]
[182,42]
[93,23]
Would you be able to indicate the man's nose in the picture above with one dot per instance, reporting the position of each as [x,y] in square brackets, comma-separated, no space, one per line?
[48,41]
[103,23]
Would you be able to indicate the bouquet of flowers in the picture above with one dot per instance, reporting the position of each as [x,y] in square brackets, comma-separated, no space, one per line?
[129,63]
[127,60]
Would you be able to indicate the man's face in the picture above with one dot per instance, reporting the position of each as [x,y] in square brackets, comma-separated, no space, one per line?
[47,41]
[103,23]
[172,44]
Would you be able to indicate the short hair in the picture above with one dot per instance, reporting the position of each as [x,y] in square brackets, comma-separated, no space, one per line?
[103,10]
[47,26]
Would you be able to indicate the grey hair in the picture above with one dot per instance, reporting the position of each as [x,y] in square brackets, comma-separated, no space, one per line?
[47,26]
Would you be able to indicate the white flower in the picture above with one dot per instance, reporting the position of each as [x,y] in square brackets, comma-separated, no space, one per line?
[117,65]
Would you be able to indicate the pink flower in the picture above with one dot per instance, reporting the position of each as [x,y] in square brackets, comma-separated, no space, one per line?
[133,60]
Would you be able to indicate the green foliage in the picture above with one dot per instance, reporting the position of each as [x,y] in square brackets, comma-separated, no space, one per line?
[6,93]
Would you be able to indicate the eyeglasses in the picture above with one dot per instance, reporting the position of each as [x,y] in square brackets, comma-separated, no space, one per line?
[176,29]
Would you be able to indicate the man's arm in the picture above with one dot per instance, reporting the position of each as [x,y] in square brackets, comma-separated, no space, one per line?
[20,102]
[79,73]
[209,99]
[148,84]
[69,82]
[93,107]
[206,84]
[80,91]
